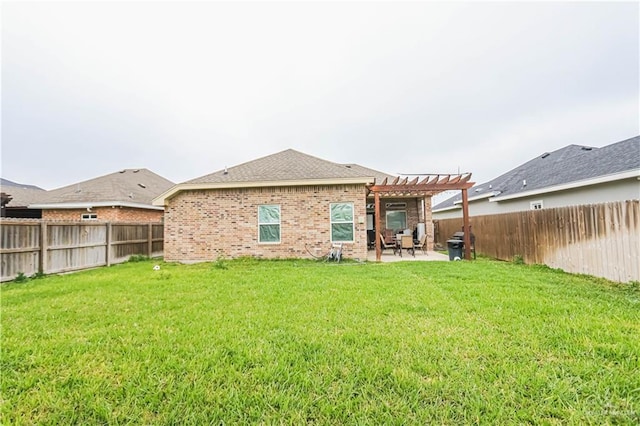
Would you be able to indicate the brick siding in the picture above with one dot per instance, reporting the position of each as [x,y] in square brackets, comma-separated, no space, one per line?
[106,214]
[205,225]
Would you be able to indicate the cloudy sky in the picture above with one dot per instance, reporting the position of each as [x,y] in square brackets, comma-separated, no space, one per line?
[185,89]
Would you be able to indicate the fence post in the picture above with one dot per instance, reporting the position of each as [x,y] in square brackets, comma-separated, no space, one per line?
[107,257]
[42,267]
[150,239]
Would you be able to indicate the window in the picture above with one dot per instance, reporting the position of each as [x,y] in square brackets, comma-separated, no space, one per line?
[89,216]
[397,219]
[536,205]
[342,222]
[268,224]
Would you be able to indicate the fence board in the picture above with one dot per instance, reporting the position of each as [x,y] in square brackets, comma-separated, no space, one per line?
[601,240]
[31,246]
[19,249]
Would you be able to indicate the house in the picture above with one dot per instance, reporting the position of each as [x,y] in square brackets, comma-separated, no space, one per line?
[123,196]
[16,198]
[573,175]
[290,205]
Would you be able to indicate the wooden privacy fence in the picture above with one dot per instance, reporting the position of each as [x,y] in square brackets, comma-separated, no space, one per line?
[32,246]
[600,239]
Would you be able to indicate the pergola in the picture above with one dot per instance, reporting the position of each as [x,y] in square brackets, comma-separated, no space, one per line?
[428,186]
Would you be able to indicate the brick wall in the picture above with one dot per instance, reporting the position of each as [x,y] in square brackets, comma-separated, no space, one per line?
[106,214]
[208,224]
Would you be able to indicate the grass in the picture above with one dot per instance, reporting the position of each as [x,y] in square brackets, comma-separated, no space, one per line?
[291,342]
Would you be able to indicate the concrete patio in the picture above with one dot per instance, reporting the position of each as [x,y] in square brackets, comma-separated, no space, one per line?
[388,256]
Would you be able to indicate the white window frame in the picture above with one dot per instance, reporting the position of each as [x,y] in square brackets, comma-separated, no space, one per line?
[536,205]
[269,223]
[352,222]
[89,216]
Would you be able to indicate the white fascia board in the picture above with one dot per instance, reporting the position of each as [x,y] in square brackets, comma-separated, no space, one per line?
[571,185]
[479,197]
[88,205]
[444,209]
[162,198]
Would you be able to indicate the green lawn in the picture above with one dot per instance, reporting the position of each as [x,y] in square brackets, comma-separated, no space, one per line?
[294,342]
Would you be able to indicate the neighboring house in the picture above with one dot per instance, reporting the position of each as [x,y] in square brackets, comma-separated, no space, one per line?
[16,198]
[285,205]
[124,196]
[573,175]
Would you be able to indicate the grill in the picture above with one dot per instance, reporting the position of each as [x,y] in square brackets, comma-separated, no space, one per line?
[472,238]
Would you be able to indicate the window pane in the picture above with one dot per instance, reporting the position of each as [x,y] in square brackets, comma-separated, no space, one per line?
[342,212]
[342,232]
[269,233]
[268,214]
[397,220]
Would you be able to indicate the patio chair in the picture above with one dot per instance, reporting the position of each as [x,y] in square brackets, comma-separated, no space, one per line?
[387,246]
[419,245]
[388,237]
[406,243]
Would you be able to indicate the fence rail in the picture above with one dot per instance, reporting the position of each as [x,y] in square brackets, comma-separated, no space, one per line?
[32,246]
[600,239]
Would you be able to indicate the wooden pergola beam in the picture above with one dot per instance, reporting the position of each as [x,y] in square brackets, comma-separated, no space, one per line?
[417,187]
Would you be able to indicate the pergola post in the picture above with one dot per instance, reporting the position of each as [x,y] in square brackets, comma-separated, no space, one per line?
[465,227]
[376,197]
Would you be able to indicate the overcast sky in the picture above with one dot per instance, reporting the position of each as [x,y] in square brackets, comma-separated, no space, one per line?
[185,89]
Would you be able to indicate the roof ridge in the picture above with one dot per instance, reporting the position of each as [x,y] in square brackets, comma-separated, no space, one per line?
[285,165]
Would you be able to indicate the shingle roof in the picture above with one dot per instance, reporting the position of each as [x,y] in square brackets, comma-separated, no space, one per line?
[288,165]
[572,163]
[138,186]
[365,171]
[23,196]
[5,183]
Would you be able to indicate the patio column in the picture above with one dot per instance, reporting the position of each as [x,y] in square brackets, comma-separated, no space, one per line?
[428,222]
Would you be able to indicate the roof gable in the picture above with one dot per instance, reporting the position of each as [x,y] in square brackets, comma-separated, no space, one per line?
[572,163]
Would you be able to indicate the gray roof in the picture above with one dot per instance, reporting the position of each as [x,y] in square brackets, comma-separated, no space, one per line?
[288,165]
[7,184]
[572,163]
[365,171]
[23,196]
[138,186]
